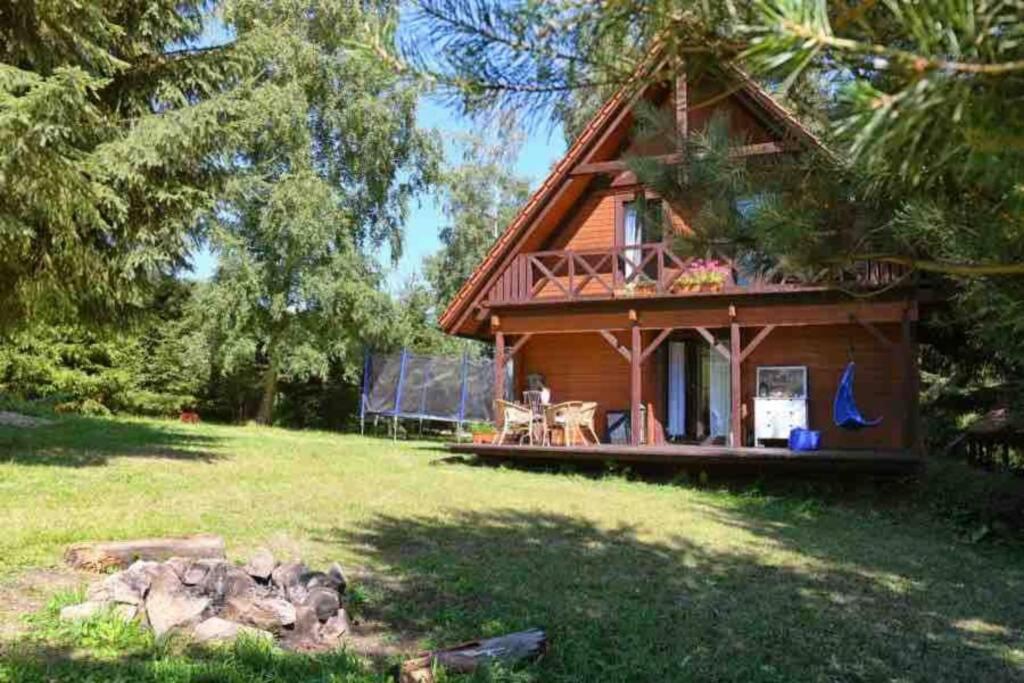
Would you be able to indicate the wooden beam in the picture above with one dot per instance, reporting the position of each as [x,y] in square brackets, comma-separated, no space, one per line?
[499,372]
[614,342]
[653,346]
[682,105]
[619,165]
[616,166]
[635,387]
[736,392]
[713,342]
[756,341]
[761,148]
[875,332]
[519,344]
[658,313]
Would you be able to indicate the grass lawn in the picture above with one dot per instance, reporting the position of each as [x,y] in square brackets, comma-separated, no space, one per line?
[634,581]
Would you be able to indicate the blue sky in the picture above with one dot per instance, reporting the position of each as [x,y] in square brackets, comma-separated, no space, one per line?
[542,147]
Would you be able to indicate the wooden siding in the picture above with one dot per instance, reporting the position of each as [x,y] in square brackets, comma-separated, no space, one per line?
[580,367]
[591,223]
[879,387]
[742,123]
[583,366]
[590,226]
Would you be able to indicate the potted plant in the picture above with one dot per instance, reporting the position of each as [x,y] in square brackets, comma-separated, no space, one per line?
[482,432]
[701,275]
[641,285]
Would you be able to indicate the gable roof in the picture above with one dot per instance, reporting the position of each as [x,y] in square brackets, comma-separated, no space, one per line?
[490,267]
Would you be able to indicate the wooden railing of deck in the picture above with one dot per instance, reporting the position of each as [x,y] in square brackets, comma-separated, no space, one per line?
[571,275]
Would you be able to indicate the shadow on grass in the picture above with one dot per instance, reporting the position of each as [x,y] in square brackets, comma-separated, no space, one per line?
[780,599]
[84,442]
[244,662]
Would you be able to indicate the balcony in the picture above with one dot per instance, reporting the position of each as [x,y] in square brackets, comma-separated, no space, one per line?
[646,270]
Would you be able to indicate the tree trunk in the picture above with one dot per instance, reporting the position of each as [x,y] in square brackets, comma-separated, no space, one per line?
[468,657]
[101,555]
[266,412]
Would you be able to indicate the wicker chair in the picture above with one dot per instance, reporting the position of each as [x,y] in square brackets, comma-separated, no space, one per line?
[534,400]
[516,420]
[567,416]
[587,415]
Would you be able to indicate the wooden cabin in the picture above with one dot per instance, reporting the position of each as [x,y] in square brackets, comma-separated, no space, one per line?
[574,292]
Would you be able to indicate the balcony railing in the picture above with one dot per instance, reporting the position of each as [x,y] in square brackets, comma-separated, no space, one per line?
[648,270]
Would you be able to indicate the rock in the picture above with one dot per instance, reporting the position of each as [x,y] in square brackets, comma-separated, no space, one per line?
[226,581]
[324,602]
[180,565]
[218,630]
[288,574]
[335,627]
[261,564]
[297,594]
[126,612]
[170,605]
[336,575]
[305,632]
[270,614]
[131,585]
[87,610]
[82,611]
[197,571]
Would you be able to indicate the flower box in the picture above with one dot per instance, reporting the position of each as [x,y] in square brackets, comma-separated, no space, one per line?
[701,275]
[483,437]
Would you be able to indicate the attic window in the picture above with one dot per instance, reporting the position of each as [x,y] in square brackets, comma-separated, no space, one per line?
[642,221]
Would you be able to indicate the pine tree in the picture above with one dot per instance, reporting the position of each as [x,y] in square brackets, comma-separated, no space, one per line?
[920,99]
[112,119]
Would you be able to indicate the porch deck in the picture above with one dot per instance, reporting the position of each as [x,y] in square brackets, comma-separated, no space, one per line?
[868,461]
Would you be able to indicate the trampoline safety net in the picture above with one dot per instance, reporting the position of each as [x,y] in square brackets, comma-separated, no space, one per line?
[440,388]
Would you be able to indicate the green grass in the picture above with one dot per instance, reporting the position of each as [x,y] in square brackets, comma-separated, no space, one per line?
[633,581]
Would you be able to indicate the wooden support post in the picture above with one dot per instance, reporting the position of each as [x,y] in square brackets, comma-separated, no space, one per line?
[520,343]
[499,373]
[735,352]
[635,389]
[682,106]
[614,343]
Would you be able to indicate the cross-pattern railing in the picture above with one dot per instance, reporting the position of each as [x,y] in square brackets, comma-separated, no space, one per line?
[640,270]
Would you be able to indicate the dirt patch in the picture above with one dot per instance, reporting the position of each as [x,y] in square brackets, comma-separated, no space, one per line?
[372,635]
[29,592]
[9,419]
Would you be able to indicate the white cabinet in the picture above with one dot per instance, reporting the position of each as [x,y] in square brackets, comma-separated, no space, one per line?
[780,403]
[775,417]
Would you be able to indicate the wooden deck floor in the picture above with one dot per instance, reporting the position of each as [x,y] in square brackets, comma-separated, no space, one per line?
[704,456]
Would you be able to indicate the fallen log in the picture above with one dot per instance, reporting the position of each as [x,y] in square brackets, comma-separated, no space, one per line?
[100,556]
[469,656]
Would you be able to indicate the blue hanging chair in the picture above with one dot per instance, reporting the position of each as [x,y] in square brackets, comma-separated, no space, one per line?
[844,410]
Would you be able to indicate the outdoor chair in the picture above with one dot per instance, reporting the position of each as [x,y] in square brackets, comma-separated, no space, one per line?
[534,399]
[566,415]
[516,420]
[587,415]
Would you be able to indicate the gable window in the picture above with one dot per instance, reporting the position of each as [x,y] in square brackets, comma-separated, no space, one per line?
[642,222]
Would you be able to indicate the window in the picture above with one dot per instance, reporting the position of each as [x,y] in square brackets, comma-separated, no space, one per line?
[642,223]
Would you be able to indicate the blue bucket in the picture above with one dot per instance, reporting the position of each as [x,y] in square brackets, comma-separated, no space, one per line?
[804,439]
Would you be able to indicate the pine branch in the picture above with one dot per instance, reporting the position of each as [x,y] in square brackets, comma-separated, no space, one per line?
[933,266]
[915,61]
